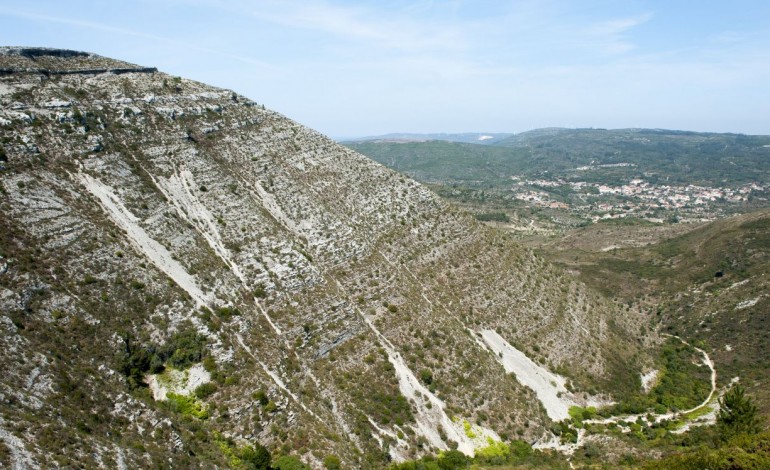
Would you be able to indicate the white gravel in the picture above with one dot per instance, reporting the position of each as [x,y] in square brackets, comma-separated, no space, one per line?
[549,387]
[182,382]
[649,379]
[154,251]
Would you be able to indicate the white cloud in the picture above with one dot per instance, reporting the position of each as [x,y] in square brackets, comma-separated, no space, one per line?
[347,67]
[84,24]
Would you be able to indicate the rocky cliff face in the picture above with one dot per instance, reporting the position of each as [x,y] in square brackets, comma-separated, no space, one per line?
[336,306]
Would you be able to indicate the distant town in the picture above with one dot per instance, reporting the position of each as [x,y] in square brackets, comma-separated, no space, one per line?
[637,198]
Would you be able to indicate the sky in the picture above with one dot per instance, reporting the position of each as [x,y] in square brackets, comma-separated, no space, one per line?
[370,67]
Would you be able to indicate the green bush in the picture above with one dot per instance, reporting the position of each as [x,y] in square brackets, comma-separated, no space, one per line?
[255,457]
[261,397]
[225,313]
[187,405]
[332,462]
[184,348]
[260,291]
[426,376]
[289,462]
[452,460]
[205,390]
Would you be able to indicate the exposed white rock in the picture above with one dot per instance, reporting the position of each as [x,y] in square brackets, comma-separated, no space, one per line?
[154,251]
[56,103]
[182,382]
[649,379]
[431,417]
[748,303]
[21,458]
[180,192]
[549,387]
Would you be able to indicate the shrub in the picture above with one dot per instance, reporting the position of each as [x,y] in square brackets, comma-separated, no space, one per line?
[332,462]
[452,460]
[185,348]
[187,405]
[289,462]
[261,397]
[227,312]
[270,407]
[205,390]
[255,457]
[260,291]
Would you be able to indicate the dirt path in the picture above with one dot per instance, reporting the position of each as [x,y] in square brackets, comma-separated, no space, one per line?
[556,400]
[669,415]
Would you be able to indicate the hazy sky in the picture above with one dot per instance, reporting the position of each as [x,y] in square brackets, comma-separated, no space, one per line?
[354,68]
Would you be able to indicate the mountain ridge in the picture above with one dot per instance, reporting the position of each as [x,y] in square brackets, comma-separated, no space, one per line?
[155,222]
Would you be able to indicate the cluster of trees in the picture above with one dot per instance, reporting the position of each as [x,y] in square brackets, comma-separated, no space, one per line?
[497,454]
[682,385]
[183,349]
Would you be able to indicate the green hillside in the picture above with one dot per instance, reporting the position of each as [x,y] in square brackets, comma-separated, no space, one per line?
[709,284]
[566,177]
[676,157]
[439,161]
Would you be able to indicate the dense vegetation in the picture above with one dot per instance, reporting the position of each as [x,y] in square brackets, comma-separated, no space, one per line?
[183,349]
[682,383]
[735,443]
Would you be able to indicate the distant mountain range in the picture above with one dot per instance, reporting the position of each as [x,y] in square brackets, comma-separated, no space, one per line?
[484,138]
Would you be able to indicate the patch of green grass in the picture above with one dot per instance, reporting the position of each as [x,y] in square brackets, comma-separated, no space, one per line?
[578,414]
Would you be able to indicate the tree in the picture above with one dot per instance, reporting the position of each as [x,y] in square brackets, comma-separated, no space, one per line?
[255,458]
[332,462]
[737,414]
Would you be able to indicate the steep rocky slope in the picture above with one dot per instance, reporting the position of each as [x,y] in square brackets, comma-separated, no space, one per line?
[337,306]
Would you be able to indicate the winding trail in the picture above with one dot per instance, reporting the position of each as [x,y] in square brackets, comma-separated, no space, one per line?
[671,414]
[557,400]
[569,448]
